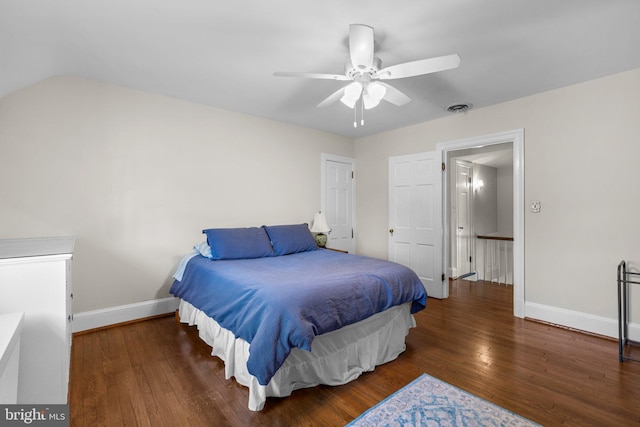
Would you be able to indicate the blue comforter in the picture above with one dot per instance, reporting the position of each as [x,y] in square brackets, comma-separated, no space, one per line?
[280,303]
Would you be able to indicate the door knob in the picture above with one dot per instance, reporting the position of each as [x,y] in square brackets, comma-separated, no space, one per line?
[391,231]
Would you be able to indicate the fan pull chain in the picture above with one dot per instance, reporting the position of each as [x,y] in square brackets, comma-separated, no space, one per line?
[355,116]
[355,113]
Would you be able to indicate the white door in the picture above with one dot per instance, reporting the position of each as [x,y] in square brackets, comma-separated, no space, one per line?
[462,208]
[415,218]
[338,202]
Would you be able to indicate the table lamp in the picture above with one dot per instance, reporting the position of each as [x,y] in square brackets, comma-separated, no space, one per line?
[320,227]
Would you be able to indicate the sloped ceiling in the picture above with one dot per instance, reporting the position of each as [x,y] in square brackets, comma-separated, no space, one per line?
[224,54]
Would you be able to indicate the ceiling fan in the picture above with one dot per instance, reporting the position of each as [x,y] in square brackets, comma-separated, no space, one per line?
[364,71]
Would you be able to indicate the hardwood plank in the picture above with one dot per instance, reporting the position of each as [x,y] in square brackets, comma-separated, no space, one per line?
[94,383]
[159,372]
[111,363]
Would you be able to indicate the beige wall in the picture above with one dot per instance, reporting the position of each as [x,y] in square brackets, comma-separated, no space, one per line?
[136,177]
[582,151]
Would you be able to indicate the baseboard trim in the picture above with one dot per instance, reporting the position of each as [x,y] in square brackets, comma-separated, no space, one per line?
[598,325]
[101,318]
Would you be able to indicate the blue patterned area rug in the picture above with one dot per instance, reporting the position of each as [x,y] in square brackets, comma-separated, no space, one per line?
[427,401]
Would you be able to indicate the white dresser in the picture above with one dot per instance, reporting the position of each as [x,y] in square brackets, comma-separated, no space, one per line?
[35,278]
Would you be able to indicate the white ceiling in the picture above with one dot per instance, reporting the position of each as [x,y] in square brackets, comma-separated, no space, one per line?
[224,54]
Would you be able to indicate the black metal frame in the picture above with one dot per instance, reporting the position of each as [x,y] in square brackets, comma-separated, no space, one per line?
[624,279]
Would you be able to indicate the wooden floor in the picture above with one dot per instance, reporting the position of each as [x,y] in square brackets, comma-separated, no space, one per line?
[159,373]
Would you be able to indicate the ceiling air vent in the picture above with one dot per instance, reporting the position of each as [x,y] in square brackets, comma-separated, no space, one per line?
[459,108]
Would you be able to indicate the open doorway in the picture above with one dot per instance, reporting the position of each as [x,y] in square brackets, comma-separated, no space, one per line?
[481,213]
[453,149]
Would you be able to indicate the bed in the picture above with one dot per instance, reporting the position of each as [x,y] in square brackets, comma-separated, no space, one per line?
[284,314]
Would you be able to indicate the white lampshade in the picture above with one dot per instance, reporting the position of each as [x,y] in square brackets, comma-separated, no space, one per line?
[351,94]
[373,94]
[320,224]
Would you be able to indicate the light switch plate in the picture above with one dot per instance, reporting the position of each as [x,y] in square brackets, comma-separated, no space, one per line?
[535,206]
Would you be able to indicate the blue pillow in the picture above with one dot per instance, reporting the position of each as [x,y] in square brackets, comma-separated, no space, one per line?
[238,243]
[290,239]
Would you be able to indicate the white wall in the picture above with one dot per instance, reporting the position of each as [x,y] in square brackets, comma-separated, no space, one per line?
[505,200]
[485,200]
[136,177]
[581,151]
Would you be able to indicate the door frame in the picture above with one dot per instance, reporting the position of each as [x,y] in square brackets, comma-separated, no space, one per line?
[516,137]
[324,158]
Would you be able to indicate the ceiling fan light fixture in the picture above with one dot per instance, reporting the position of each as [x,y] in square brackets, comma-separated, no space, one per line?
[373,94]
[369,102]
[351,94]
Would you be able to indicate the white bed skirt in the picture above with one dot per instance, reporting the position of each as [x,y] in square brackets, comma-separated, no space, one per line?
[336,357]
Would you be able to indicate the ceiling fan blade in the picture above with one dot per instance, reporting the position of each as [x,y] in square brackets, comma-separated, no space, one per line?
[422,66]
[312,75]
[335,96]
[394,96]
[361,46]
